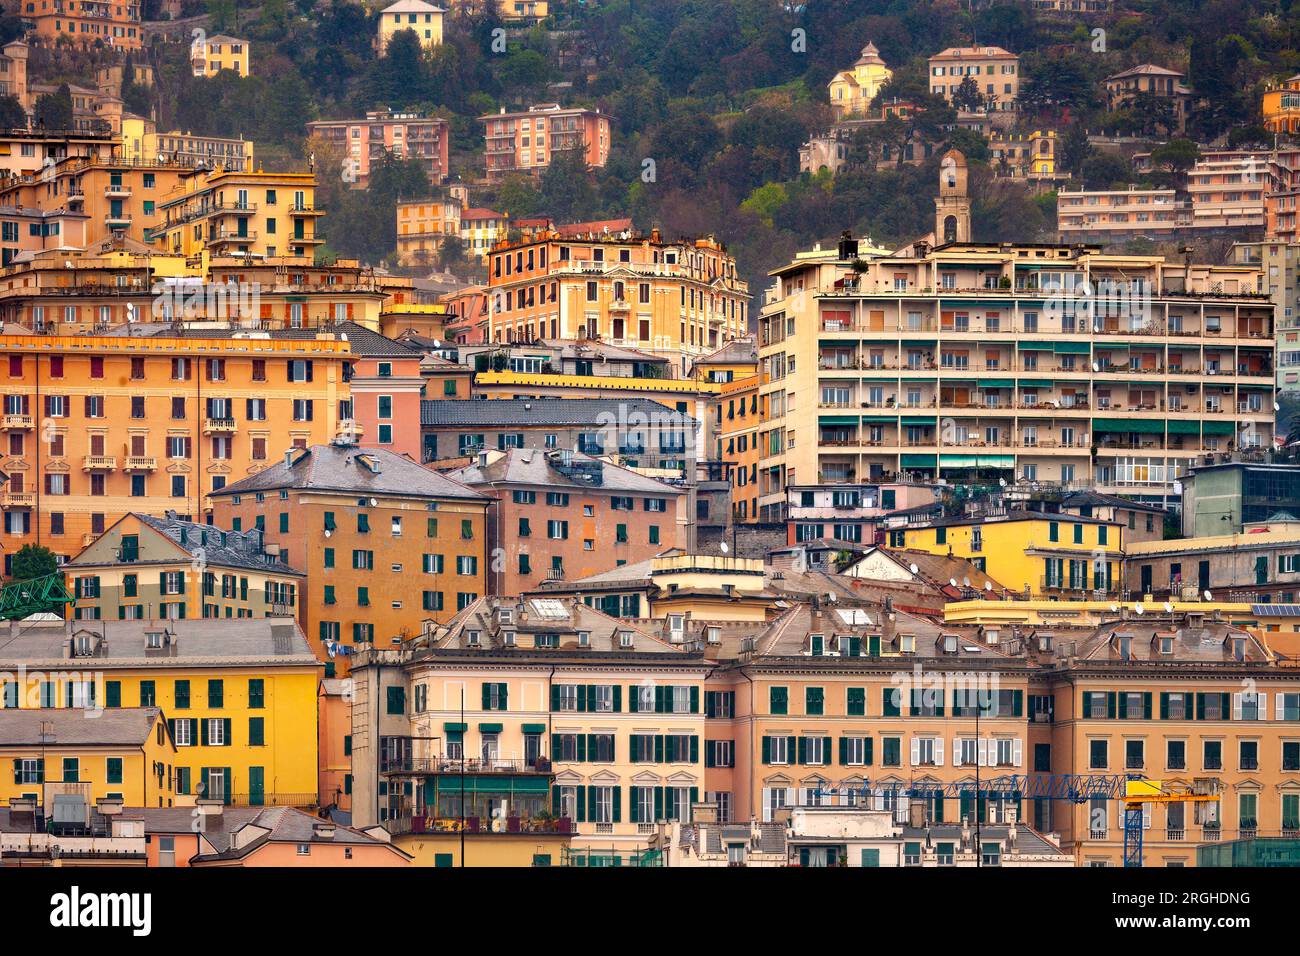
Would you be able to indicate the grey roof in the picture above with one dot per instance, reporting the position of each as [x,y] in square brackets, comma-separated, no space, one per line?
[224,641]
[238,550]
[564,617]
[116,726]
[531,466]
[364,342]
[1083,499]
[284,825]
[548,412]
[337,468]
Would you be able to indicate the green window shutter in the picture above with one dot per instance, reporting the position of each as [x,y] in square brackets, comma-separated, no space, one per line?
[803,750]
[555,697]
[555,749]
[767,750]
[203,732]
[826,749]
[1200,706]
[634,804]
[659,748]
[113,694]
[582,800]
[633,700]
[1018,703]
[1111,702]
[582,748]
[1146,706]
[487,695]
[867,751]
[708,756]
[503,695]
[256,732]
[618,698]
[1164,706]
[618,800]
[695,749]
[710,707]
[844,751]
[695,700]
[659,804]
[591,803]
[226,730]
[889,702]
[660,695]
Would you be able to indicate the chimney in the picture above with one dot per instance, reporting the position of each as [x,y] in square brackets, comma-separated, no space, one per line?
[324,830]
[209,809]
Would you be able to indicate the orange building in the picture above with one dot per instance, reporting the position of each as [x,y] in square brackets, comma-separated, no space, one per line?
[85,22]
[566,515]
[364,142]
[385,543]
[527,141]
[387,384]
[96,426]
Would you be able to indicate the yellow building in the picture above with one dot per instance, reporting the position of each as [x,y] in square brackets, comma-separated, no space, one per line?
[853,90]
[72,756]
[484,849]
[210,55]
[238,698]
[241,213]
[422,227]
[149,567]
[1049,613]
[1281,106]
[142,143]
[1036,553]
[424,19]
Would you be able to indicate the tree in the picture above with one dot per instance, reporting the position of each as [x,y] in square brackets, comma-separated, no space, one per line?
[451,253]
[54,110]
[1175,156]
[12,114]
[33,561]
[1104,171]
[1075,149]
[967,96]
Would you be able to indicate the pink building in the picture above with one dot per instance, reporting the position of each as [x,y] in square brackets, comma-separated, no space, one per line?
[386,386]
[525,142]
[363,142]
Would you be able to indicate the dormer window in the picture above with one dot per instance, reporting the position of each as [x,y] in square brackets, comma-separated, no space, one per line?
[153,640]
[907,643]
[816,644]
[506,615]
[713,635]
[991,635]
[472,638]
[584,638]
[1125,648]
[1239,648]
[625,639]
[509,638]
[83,645]
[1166,645]
[950,643]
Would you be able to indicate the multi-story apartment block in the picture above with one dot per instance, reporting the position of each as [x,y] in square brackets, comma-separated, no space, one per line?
[570,721]
[569,515]
[114,196]
[99,426]
[995,72]
[85,22]
[1033,363]
[852,90]
[24,152]
[1228,191]
[147,567]
[142,143]
[681,298]
[527,141]
[423,19]
[364,142]
[209,55]
[236,698]
[1149,79]
[257,214]
[385,543]
[13,73]
[1117,215]
[849,513]
[387,384]
[422,227]
[1257,566]
[1279,262]
[1223,498]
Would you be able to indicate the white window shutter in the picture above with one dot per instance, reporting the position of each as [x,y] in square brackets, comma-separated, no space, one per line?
[938,751]
[1262,712]
[789,796]
[916,751]
[1017,752]
[1236,707]
[982,752]
[1279,707]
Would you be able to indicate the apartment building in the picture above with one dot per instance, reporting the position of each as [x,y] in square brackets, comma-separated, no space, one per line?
[69,758]
[97,426]
[147,567]
[354,518]
[1039,554]
[235,701]
[1280,104]
[527,141]
[994,71]
[84,22]
[1118,215]
[852,90]
[569,515]
[849,513]
[245,214]
[24,152]
[1257,566]
[679,298]
[115,197]
[209,55]
[569,723]
[1040,364]
[422,227]
[407,136]
[387,382]
[1225,497]
[13,73]
[1228,192]
[141,142]
[1148,79]
[422,19]
[1027,155]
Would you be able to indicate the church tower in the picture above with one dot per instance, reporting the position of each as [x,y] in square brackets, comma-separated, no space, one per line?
[952,207]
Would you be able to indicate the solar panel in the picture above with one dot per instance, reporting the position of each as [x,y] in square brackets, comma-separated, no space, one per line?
[549,609]
[853,615]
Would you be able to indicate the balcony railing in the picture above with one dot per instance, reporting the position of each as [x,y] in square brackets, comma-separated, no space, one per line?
[271,800]
[557,826]
[17,499]
[17,422]
[98,463]
[218,426]
[140,463]
[450,765]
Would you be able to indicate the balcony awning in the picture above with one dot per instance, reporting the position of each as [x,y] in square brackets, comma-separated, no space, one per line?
[1182,427]
[1144,426]
[920,419]
[996,383]
[489,728]
[878,419]
[454,728]
[1036,383]
[918,461]
[497,784]
[1036,346]
[837,420]
[1219,428]
[977,461]
[1073,348]
[534,728]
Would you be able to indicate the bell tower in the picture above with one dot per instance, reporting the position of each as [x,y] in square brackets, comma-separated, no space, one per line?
[952,206]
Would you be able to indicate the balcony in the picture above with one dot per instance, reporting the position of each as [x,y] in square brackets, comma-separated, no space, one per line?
[98,463]
[224,235]
[271,800]
[421,766]
[120,220]
[535,826]
[218,426]
[17,499]
[117,191]
[14,423]
[140,463]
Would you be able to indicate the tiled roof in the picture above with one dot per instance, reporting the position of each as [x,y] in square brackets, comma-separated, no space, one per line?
[603,412]
[531,466]
[563,617]
[283,825]
[113,726]
[225,641]
[344,468]
[222,549]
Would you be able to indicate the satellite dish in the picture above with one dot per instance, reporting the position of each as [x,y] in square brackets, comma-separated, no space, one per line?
[374,502]
[328,532]
[1277,407]
[988,585]
[1096,366]
[1114,608]
[67,263]
[437,343]
[723,547]
[913,568]
[1002,482]
[1209,596]
[952,581]
[1138,609]
[965,581]
[1169,606]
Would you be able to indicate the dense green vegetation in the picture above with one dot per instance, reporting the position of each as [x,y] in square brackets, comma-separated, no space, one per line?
[711,100]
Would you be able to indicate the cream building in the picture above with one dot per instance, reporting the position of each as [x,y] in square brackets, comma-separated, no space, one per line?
[853,90]
[423,18]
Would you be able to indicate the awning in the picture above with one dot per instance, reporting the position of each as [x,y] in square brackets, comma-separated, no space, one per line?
[489,728]
[1181,427]
[996,383]
[1219,428]
[534,728]
[919,343]
[878,419]
[920,420]
[501,784]
[1035,383]
[1073,348]
[1036,346]
[918,461]
[977,461]
[455,728]
[837,420]
[1145,426]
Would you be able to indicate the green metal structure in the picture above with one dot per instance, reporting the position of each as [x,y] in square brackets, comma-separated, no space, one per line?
[46,594]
